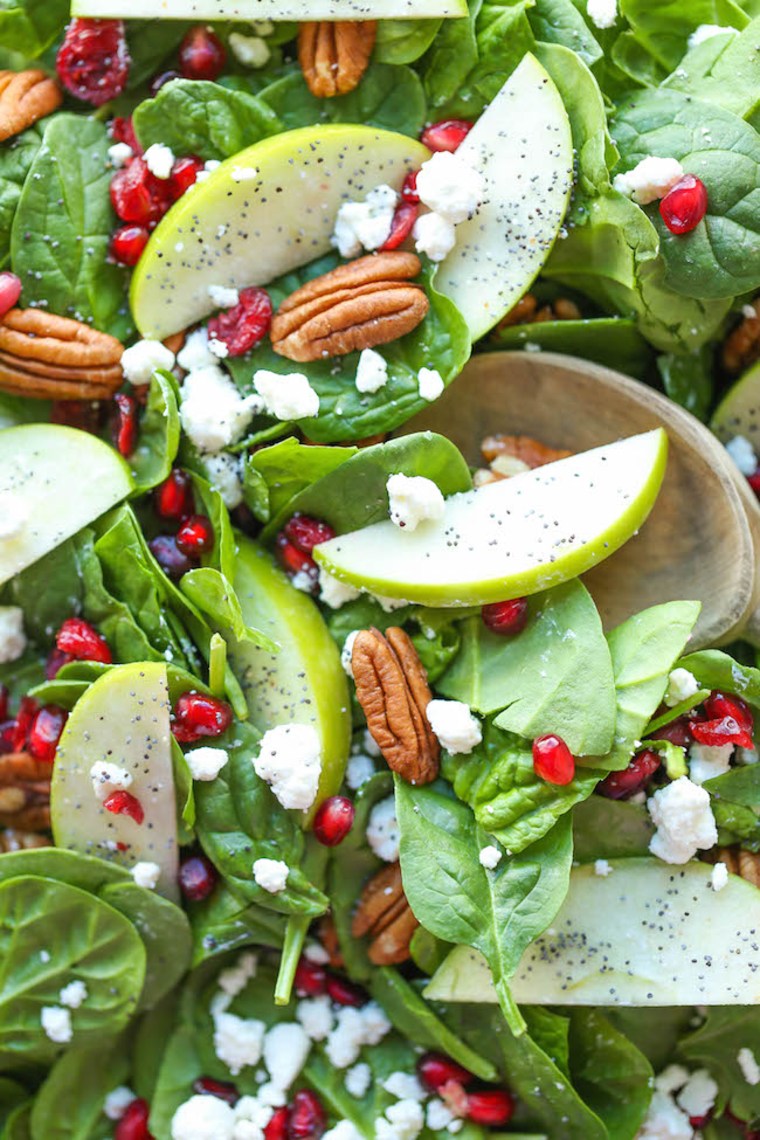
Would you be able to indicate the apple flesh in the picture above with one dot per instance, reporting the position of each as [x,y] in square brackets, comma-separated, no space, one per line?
[270,9]
[510,538]
[53,481]
[648,934]
[739,411]
[523,146]
[262,213]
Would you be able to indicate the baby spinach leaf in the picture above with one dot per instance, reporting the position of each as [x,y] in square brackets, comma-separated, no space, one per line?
[740,785]
[609,1073]
[612,341]
[152,459]
[715,669]
[69,1104]
[716,1044]
[731,77]
[688,380]
[404,41]
[220,924]
[453,53]
[148,1044]
[180,1066]
[63,223]
[150,43]
[560,22]
[17,1126]
[30,26]
[16,158]
[610,829]
[663,29]
[215,597]
[736,823]
[12,1094]
[289,467]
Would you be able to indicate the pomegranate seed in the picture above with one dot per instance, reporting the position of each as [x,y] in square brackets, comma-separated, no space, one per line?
[174,498]
[133,1125]
[10,291]
[83,642]
[754,482]
[700,1121]
[124,803]
[45,732]
[334,820]
[677,732]
[81,414]
[222,1090]
[409,187]
[169,557]
[7,731]
[446,135]
[137,195]
[723,731]
[245,324]
[201,54]
[161,80]
[197,878]
[93,61]
[305,533]
[343,992]
[310,979]
[196,535]
[403,221]
[196,715]
[27,711]
[3,702]
[435,1069]
[719,705]
[506,618]
[293,560]
[633,779]
[127,244]
[277,1129]
[491,1107]
[552,759]
[307,1120]
[125,430]
[55,662]
[123,131]
[684,207]
[183,175]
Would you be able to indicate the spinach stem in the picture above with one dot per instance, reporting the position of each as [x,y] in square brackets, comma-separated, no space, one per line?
[217,661]
[295,936]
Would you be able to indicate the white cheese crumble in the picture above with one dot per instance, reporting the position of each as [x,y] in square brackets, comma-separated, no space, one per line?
[450,187]
[404,1086]
[237,1041]
[434,235]
[141,360]
[343,1130]
[288,395]
[107,778]
[403,1120]
[251,51]
[234,979]
[159,160]
[271,874]
[117,1102]
[650,179]
[73,994]
[364,225]
[223,472]
[203,1118]
[490,857]
[354,1029]
[56,1022]
[359,769]
[290,760]
[438,1115]
[602,13]
[743,454]
[709,760]
[430,383]
[286,1047]
[719,876]
[371,371]
[665,1121]
[707,31]
[671,1079]
[206,763]
[454,725]
[382,830]
[213,412]
[602,868]
[146,874]
[684,820]
[244,173]
[698,1094]
[333,592]
[316,1016]
[346,653]
[12,636]
[223,297]
[218,348]
[358,1079]
[413,499]
[681,685]
[195,352]
[749,1066]
[119,154]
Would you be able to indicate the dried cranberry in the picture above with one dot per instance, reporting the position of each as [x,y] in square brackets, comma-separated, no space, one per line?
[184,173]
[27,711]
[196,535]
[10,291]
[124,803]
[245,324]
[633,779]
[123,131]
[197,878]
[222,1090]
[307,1119]
[404,217]
[506,618]
[277,1128]
[436,1069]
[201,54]
[45,732]
[719,705]
[343,992]
[161,80]
[684,207]
[334,820]
[173,499]
[93,61]
[133,1125]
[677,732]
[492,1107]
[83,642]
[137,195]
[446,135]
[552,759]
[125,428]
[197,715]
[305,533]
[169,557]
[127,244]
[310,979]
[409,187]
[293,560]
[724,731]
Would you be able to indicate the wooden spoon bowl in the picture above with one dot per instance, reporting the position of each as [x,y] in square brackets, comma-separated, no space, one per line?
[697,542]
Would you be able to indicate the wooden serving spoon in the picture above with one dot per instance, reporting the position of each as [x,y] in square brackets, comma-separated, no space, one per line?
[698,541]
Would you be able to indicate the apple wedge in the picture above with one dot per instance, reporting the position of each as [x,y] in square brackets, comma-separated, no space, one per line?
[738,413]
[523,146]
[270,9]
[510,538]
[646,935]
[53,481]
[262,213]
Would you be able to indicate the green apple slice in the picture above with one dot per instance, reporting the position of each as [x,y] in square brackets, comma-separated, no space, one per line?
[304,682]
[270,9]
[510,538]
[123,718]
[53,481]
[523,146]
[262,213]
[738,413]
[647,934]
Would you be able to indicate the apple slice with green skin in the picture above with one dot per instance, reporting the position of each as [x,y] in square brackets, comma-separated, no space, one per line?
[304,682]
[53,481]
[510,538]
[123,718]
[647,934]
[523,146]
[262,213]
[270,9]
[738,413]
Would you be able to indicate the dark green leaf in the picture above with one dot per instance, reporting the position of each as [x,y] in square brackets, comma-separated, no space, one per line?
[609,1072]
[664,28]
[724,70]
[16,158]
[611,341]
[287,468]
[716,1046]
[560,22]
[70,1102]
[152,459]
[404,41]
[29,26]
[715,669]
[610,829]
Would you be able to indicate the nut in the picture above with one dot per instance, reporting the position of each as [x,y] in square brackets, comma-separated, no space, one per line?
[49,357]
[13,840]
[527,312]
[25,97]
[384,915]
[739,862]
[24,792]
[742,346]
[334,54]
[392,688]
[520,447]
[360,304]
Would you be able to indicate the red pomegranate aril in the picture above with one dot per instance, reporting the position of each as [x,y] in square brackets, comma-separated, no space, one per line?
[754,482]
[402,224]
[124,803]
[122,130]
[130,197]
[293,560]
[55,662]
[446,135]
[84,415]
[552,760]
[184,173]
[436,1070]
[10,291]
[677,732]
[169,557]
[334,820]
[7,730]
[27,711]
[93,61]
[4,695]
[633,779]
[409,188]
[277,1129]
[45,732]
[245,324]
[127,244]
[197,878]
[83,642]
[305,532]
[307,1119]
[222,1090]
[684,207]
[723,731]
[491,1107]
[719,705]
[161,80]
[506,618]
[173,499]
[201,54]
[125,429]
[196,535]
[343,992]
[310,979]
[133,1125]
[197,715]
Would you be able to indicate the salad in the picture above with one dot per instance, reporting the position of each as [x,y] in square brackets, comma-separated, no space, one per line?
[331,803]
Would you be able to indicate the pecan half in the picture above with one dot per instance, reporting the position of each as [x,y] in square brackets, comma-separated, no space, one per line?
[527,312]
[742,345]
[335,54]
[739,862]
[49,357]
[25,97]
[392,688]
[24,792]
[529,451]
[360,304]
[384,915]
[12,840]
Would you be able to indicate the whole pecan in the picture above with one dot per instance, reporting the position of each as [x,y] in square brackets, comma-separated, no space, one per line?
[742,345]
[49,357]
[360,304]
[335,54]
[25,97]
[24,792]
[384,915]
[392,688]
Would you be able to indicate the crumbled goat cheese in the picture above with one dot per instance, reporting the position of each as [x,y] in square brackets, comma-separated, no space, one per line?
[290,760]
[12,636]
[234,979]
[316,1016]
[203,1118]
[665,1121]
[430,383]
[438,1115]
[650,179]
[117,1102]
[270,1095]
[159,160]
[382,830]
[13,517]
[403,1120]
[286,1047]
[490,857]
[73,994]
[343,1130]
[213,412]
[371,371]
[412,500]
[107,778]
[251,51]
[56,1022]
[195,352]
[454,725]
[244,173]
[450,187]
[365,225]
[359,769]
[698,1094]
[223,297]
[315,952]
[119,154]
[404,1086]
[681,685]
[305,581]
[719,876]
[347,652]
[388,605]
[238,1041]
[333,592]
[271,874]
[602,868]
[287,396]
[684,820]
[602,13]
[146,875]
[707,31]
[223,472]
[218,348]
[141,360]
[354,1029]
[671,1079]
[743,454]
[206,763]
[370,745]
[708,760]
[358,1079]
[434,236]
[747,1062]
